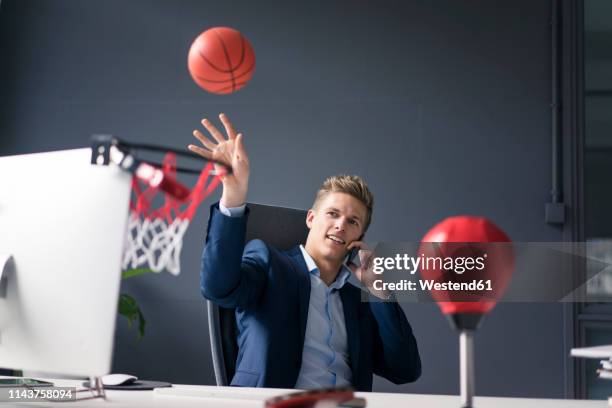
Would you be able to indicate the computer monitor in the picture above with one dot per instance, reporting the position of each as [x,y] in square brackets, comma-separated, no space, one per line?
[63,220]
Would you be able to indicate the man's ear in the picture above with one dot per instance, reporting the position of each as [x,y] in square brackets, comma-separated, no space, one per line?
[309,217]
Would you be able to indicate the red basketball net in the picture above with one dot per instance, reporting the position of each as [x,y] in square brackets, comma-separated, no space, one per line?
[155,235]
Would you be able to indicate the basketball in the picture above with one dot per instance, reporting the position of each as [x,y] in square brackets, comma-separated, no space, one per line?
[221,60]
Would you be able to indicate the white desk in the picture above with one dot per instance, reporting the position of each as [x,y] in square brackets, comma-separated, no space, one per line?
[210,396]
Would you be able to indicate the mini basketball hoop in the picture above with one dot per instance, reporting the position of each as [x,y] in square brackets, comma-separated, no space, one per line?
[155,232]
[155,235]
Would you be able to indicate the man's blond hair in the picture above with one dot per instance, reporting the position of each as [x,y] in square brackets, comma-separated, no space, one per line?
[348,184]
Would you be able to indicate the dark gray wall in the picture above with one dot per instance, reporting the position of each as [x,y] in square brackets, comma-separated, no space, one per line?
[443,106]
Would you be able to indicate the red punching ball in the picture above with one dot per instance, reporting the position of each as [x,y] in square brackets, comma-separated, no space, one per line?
[455,240]
[221,60]
[465,236]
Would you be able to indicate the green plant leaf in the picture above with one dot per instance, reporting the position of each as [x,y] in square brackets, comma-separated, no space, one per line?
[130,310]
[135,272]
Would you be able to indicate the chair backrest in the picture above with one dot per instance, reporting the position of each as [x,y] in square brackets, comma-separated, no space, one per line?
[280,227]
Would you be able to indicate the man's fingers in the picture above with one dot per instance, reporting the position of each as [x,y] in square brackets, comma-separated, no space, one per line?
[358,274]
[204,140]
[240,151]
[366,258]
[202,152]
[229,128]
[358,244]
[213,130]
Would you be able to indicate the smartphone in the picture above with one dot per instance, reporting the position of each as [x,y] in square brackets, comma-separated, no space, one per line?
[352,254]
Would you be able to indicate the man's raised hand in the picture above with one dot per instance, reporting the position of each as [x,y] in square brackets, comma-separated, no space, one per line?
[229,151]
[365,272]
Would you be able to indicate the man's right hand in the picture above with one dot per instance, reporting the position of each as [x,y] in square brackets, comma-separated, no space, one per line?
[230,151]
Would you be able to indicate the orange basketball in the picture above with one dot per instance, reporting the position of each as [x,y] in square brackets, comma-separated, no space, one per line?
[221,60]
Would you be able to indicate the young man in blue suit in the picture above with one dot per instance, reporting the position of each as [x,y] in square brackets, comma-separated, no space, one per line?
[301,324]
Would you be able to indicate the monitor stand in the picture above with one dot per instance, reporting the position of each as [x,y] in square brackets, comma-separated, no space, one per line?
[96,387]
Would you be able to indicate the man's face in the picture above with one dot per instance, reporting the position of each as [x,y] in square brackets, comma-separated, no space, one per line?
[338,220]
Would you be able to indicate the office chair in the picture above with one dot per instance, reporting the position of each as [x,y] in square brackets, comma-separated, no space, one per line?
[280,227]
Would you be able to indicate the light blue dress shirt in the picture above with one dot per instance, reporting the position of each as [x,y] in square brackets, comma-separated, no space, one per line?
[325,360]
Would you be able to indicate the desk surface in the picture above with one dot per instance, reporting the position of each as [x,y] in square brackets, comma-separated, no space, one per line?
[189,396]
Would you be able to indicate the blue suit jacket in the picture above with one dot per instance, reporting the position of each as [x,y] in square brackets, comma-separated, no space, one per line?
[270,290]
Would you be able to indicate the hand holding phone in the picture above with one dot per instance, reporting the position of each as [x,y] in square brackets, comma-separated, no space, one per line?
[353,252]
[350,258]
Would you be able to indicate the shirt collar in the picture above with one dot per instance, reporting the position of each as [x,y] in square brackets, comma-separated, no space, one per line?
[341,278]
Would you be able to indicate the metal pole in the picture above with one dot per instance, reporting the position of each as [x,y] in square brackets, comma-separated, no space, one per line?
[555,104]
[466,367]
[554,211]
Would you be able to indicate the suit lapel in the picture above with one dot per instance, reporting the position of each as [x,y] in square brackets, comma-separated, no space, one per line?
[350,304]
[299,265]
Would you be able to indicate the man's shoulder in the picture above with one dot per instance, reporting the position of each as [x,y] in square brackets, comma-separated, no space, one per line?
[257,245]
[262,248]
